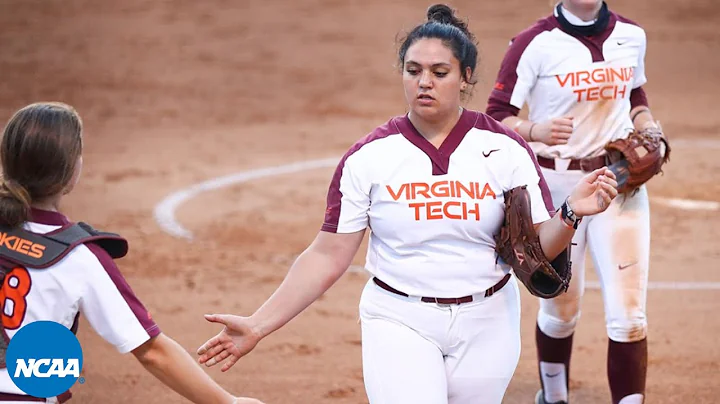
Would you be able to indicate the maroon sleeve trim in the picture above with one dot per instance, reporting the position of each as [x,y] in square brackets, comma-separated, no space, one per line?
[500,110]
[142,315]
[507,75]
[638,98]
[334,195]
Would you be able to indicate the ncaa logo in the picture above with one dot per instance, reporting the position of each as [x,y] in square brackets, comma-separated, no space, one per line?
[44,359]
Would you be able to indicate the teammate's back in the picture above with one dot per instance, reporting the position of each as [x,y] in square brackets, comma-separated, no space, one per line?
[41,152]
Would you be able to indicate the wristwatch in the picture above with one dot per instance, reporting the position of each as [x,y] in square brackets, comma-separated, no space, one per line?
[569,216]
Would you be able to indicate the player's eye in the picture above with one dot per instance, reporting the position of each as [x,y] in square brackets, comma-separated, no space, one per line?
[412,71]
[441,74]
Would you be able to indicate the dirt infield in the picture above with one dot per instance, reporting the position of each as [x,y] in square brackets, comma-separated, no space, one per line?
[177,92]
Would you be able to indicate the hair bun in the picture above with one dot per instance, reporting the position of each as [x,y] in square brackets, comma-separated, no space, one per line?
[443,14]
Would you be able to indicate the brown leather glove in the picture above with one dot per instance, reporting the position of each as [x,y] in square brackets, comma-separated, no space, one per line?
[518,245]
[638,158]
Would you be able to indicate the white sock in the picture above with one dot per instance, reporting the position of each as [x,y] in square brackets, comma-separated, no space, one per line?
[632,399]
[553,377]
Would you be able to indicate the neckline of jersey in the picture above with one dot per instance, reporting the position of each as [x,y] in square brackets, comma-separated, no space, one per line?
[593,43]
[440,156]
[48,217]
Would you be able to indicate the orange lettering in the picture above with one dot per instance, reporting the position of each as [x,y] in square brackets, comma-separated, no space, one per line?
[15,288]
[613,92]
[440,189]
[434,210]
[23,246]
[593,93]
[447,213]
[622,92]
[36,251]
[417,207]
[487,191]
[470,192]
[475,211]
[396,196]
[420,188]
[579,94]
[614,75]
[598,75]
[583,76]
[567,77]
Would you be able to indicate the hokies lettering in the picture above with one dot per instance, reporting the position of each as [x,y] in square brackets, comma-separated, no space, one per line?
[416,193]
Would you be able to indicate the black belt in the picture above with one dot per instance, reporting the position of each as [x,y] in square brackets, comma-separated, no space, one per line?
[447,300]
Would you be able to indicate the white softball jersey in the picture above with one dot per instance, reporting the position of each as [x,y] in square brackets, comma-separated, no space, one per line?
[85,281]
[432,211]
[590,78]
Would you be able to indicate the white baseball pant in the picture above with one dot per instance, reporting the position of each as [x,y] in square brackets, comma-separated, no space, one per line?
[427,353]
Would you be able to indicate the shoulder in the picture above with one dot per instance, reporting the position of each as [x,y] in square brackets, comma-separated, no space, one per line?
[629,25]
[378,138]
[625,20]
[502,132]
[522,40]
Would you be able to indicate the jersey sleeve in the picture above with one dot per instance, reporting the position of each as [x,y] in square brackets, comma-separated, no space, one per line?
[527,172]
[111,307]
[639,77]
[517,75]
[348,198]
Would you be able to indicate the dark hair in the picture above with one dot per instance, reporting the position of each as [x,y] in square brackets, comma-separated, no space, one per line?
[40,146]
[442,24]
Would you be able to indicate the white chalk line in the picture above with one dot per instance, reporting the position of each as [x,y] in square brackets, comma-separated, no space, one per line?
[164,212]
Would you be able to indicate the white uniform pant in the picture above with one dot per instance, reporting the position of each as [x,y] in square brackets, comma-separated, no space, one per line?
[619,244]
[427,353]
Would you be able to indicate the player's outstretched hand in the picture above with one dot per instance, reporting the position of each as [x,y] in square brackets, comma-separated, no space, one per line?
[594,192]
[236,340]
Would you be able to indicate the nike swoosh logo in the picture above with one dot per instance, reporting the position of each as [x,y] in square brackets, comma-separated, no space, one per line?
[621,266]
[620,43]
[490,152]
[551,376]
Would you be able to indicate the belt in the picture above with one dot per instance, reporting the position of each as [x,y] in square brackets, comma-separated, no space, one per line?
[447,300]
[586,164]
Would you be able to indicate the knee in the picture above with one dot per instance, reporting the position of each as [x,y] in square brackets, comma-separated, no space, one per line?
[627,330]
[560,324]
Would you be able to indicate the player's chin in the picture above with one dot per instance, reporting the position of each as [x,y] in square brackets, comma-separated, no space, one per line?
[425,111]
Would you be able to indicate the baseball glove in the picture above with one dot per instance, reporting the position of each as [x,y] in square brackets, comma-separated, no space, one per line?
[518,245]
[638,158]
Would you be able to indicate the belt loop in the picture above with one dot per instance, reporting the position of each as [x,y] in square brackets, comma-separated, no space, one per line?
[562,164]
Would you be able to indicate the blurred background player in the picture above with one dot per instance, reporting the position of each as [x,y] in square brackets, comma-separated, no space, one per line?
[440,316]
[581,72]
[41,154]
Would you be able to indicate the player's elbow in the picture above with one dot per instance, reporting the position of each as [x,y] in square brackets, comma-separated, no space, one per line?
[152,351]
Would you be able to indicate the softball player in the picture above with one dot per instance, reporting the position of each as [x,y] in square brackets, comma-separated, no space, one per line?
[41,154]
[581,72]
[440,316]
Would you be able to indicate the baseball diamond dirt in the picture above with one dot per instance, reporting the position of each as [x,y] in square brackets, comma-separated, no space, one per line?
[174,93]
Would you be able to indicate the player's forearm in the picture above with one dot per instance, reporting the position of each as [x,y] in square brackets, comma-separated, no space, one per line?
[519,125]
[173,366]
[555,235]
[642,117]
[310,276]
